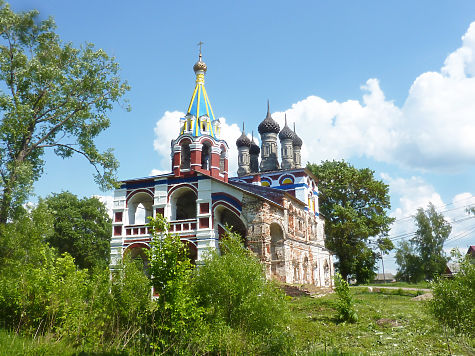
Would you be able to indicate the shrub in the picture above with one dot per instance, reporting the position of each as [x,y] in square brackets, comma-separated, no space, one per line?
[246,309]
[344,305]
[176,314]
[42,293]
[453,299]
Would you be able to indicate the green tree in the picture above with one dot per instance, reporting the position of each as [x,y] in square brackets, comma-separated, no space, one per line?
[355,207]
[432,231]
[365,263]
[409,263]
[82,228]
[452,304]
[423,257]
[52,96]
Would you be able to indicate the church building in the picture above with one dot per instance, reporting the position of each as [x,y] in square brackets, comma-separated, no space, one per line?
[272,204]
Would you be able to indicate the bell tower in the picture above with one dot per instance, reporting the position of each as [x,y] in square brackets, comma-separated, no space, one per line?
[198,147]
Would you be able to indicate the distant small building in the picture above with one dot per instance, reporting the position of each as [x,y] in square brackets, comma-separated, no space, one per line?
[384,278]
[451,269]
[471,251]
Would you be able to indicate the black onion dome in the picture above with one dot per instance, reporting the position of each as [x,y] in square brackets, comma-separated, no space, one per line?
[297,141]
[268,125]
[286,133]
[255,150]
[243,140]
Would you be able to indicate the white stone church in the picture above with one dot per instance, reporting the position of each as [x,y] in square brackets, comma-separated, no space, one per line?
[272,204]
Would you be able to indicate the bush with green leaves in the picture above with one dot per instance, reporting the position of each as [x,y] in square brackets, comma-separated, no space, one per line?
[344,305]
[245,311]
[453,299]
[42,292]
[176,314]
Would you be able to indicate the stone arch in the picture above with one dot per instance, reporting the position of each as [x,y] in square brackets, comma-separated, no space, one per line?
[305,266]
[316,275]
[277,250]
[140,207]
[192,250]
[223,216]
[136,252]
[326,274]
[277,242]
[183,203]
[296,265]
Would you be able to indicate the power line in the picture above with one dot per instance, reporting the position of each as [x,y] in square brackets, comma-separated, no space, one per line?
[440,206]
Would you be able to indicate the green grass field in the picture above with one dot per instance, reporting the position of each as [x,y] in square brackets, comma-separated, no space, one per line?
[14,344]
[388,325]
[423,285]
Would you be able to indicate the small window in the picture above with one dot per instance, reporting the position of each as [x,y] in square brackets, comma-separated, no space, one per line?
[185,156]
[205,156]
[222,159]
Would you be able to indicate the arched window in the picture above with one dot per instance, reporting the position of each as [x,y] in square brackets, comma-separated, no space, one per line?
[326,274]
[185,155]
[222,158]
[140,206]
[225,217]
[205,156]
[137,253]
[183,204]
[277,242]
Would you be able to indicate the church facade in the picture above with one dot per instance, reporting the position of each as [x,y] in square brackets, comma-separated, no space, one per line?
[273,205]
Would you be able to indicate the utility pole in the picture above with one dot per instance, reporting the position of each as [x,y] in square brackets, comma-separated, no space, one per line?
[382,262]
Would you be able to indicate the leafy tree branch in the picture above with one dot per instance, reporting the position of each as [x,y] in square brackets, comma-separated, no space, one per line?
[55,92]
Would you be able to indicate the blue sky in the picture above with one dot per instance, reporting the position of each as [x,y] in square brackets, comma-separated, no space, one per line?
[383,84]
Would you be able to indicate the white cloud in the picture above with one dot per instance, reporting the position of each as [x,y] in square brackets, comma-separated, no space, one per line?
[408,195]
[414,193]
[434,129]
[108,201]
[157,172]
[167,128]
[333,130]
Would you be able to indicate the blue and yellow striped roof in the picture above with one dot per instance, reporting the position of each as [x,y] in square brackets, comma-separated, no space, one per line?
[202,121]
[199,104]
